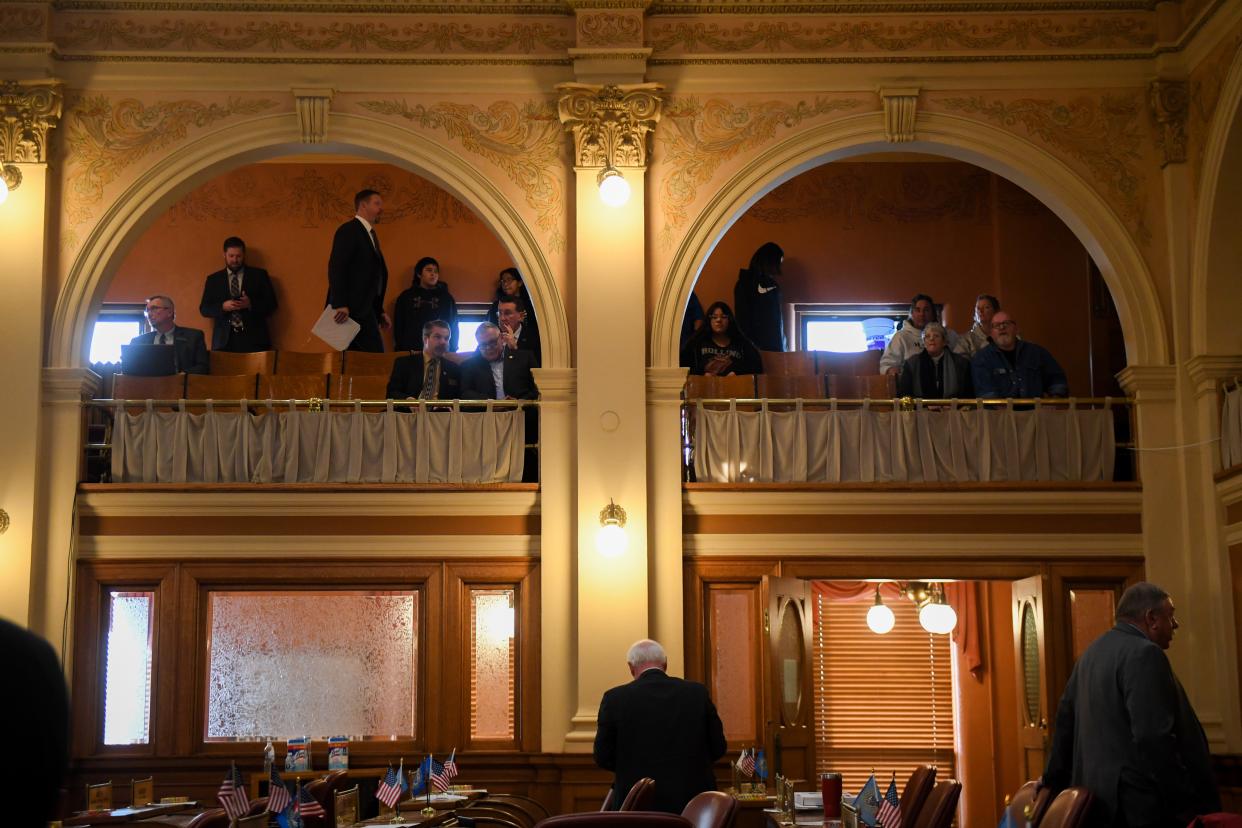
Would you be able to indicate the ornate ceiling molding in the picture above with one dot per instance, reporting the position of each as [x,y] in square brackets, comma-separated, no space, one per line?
[28,110]
[610,124]
[1169,101]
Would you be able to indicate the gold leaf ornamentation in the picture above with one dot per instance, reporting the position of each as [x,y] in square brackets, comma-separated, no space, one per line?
[23,23]
[524,142]
[698,136]
[610,29]
[103,138]
[1103,134]
[28,110]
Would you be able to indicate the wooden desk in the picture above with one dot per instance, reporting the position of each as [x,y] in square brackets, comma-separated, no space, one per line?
[411,818]
[121,815]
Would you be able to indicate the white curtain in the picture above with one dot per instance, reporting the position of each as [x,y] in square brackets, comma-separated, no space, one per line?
[1231,428]
[796,445]
[275,444]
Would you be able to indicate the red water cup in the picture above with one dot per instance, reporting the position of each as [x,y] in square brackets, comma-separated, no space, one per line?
[830,787]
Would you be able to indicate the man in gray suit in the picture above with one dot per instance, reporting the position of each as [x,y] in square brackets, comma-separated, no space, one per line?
[1125,729]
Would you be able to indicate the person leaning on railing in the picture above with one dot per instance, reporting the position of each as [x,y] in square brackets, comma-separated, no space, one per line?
[1013,368]
[719,348]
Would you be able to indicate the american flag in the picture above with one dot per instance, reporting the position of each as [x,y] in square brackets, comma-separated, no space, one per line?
[277,794]
[439,779]
[746,762]
[232,794]
[308,805]
[890,807]
[391,787]
[450,767]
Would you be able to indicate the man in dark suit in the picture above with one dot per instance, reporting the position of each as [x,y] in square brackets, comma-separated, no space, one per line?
[658,726]
[358,275]
[190,354]
[514,335]
[496,373]
[427,375]
[239,298]
[1125,729]
[37,718]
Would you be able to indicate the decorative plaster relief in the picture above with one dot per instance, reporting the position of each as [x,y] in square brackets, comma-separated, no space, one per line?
[27,111]
[313,106]
[1103,134]
[610,124]
[1206,82]
[698,136]
[23,22]
[610,29]
[900,111]
[1170,103]
[524,142]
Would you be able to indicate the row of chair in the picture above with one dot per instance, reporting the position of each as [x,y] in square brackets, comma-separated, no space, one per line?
[1034,806]
[354,363]
[810,363]
[250,387]
[792,386]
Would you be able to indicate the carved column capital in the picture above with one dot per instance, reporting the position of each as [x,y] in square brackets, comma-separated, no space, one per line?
[28,110]
[900,109]
[313,106]
[1169,101]
[610,124]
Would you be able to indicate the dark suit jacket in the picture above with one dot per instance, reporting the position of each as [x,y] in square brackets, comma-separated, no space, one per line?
[519,382]
[528,340]
[257,285]
[190,348]
[1127,732]
[662,727]
[917,380]
[406,379]
[357,275]
[38,719]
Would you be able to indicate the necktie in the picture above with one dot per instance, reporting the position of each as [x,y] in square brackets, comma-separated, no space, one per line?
[235,320]
[375,241]
[431,381]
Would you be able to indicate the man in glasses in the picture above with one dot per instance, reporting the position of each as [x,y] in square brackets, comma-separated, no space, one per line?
[1013,368]
[190,354]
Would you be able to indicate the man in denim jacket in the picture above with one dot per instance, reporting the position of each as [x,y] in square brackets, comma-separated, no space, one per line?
[1011,368]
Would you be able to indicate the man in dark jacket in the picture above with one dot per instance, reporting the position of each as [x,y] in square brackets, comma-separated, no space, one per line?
[239,299]
[1011,368]
[658,726]
[190,349]
[427,375]
[496,373]
[358,275]
[1125,729]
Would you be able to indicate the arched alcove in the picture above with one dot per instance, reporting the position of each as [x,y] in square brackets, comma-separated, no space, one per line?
[148,197]
[1062,190]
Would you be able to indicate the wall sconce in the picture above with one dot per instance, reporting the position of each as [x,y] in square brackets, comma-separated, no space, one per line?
[935,614]
[611,540]
[4,521]
[880,619]
[11,179]
[614,190]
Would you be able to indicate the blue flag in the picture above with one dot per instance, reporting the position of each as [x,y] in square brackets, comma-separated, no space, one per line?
[867,803]
[1006,821]
[761,766]
[289,817]
[419,778]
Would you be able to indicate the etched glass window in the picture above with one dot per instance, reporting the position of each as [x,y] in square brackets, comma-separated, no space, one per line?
[493,665]
[733,674]
[311,663]
[127,677]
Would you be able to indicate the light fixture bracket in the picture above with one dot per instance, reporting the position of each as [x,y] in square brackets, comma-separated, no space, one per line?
[612,515]
[12,175]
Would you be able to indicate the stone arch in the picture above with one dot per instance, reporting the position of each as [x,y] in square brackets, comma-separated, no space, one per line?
[1046,177]
[1215,287]
[272,136]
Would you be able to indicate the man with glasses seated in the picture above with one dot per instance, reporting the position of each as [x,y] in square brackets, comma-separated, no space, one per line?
[496,373]
[1013,368]
[190,354]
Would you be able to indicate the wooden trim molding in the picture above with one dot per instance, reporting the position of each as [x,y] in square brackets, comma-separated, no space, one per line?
[352,524]
[912,523]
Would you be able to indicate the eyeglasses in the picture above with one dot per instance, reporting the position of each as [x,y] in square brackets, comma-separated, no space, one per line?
[1005,324]
[716,317]
[150,308]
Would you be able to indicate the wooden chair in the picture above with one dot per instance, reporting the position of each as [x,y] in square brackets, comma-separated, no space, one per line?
[787,387]
[362,362]
[219,387]
[324,790]
[99,797]
[489,816]
[293,386]
[869,387]
[616,819]
[855,364]
[228,363]
[254,821]
[607,803]
[211,818]
[941,806]
[640,797]
[512,810]
[1033,796]
[534,807]
[345,807]
[360,387]
[308,362]
[788,363]
[711,809]
[1069,810]
[914,794]
[738,386]
[128,387]
[141,791]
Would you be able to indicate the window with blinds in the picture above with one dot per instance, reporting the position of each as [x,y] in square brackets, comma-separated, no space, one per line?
[883,703]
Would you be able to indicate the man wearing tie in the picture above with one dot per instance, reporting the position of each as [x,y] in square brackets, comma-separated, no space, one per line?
[191,349]
[426,375]
[357,274]
[239,298]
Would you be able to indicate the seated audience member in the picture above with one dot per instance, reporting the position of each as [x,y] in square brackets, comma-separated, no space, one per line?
[909,340]
[239,299]
[720,348]
[980,334]
[190,354]
[935,373]
[496,373]
[509,284]
[427,375]
[427,299]
[516,334]
[1011,368]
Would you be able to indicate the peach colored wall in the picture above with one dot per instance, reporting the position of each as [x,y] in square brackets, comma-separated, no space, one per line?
[287,213]
[883,231]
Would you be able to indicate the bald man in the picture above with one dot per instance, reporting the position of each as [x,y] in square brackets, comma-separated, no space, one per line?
[1012,368]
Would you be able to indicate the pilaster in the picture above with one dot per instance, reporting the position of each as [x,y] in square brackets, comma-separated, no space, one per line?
[664,465]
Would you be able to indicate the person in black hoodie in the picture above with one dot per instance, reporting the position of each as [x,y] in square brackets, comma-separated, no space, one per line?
[426,300]
[719,348]
[757,297]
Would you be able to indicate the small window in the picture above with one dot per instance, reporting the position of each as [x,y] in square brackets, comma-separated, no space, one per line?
[846,328]
[116,325]
[127,681]
[493,665]
[469,317]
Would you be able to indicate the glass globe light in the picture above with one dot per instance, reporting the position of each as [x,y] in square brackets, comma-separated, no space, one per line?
[614,190]
[880,619]
[938,617]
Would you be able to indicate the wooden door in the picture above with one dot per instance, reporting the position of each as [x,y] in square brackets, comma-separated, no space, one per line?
[1032,658]
[789,734]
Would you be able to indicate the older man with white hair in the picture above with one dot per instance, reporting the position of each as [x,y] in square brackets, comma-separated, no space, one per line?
[658,726]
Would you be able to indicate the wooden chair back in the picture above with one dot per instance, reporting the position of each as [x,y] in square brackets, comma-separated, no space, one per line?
[219,386]
[308,362]
[1030,796]
[867,387]
[788,363]
[640,797]
[228,363]
[616,819]
[491,816]
[211,818]
[345,810]
[1069,810]
[358,387]
[787,387]
[914,794]
[534,807]
[293,386]
[362,362]
[514,811]
[857,364]
[941,806]
[129,387]
[711,809]
[141,791]
[99,797]
[738,386]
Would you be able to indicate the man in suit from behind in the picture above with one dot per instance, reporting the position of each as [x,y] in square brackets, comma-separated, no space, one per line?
[238,299]
[358,275]
[1125,729]
[190,354]
[658,726]
[427,375]
[495,372]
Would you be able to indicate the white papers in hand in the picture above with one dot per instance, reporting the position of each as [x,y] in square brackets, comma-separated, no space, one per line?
[338,336]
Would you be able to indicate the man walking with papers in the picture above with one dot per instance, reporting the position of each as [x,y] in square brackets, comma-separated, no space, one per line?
[358,275]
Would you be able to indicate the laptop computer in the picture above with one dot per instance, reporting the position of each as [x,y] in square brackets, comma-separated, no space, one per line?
[148,360]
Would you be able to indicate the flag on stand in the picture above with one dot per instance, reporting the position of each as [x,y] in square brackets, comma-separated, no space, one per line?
[450,767]
[439,779]
[418,777]
[277,794]
[867,803]
[232,794]
[1006,821]
[289,818]
[890,806]
[761,765]
[392,786]
[308,805]
[746,762]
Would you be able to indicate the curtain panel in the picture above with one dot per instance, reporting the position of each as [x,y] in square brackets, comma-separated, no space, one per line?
[271,444]
[792,444]
[1231,428]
